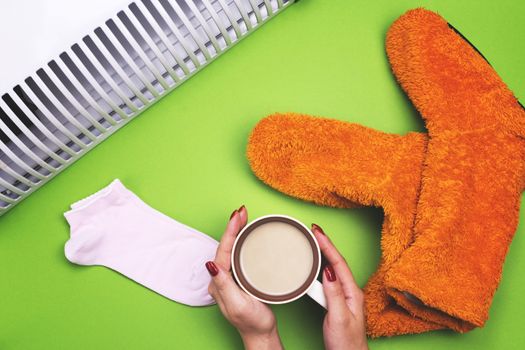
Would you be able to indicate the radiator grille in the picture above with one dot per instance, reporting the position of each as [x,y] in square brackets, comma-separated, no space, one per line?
[110,76]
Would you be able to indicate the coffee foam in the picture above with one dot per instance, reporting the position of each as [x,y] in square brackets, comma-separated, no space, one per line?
[276,258]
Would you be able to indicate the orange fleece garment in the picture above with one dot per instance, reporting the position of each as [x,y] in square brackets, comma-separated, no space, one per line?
[451,198]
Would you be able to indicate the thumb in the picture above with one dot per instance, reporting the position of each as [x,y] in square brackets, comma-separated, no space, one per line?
[225,288]
[335,297]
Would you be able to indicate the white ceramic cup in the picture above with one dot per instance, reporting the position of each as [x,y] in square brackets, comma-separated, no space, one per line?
[311,286]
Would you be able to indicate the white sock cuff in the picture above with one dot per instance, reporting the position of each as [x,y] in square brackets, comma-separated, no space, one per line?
[95,203]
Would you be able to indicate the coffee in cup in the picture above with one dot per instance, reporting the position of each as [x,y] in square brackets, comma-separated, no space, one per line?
[276,259]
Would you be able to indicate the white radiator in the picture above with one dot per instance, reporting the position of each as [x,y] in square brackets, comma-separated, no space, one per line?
[60,100]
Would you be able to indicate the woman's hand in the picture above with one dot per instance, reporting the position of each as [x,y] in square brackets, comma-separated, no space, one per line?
[344,324]
[254,320]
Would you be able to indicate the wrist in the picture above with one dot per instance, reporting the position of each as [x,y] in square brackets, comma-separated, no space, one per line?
[262,341]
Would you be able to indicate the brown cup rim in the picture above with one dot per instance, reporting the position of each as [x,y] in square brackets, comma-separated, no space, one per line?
[243,282]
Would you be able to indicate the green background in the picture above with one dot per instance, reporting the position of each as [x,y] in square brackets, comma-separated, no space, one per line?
[186,157]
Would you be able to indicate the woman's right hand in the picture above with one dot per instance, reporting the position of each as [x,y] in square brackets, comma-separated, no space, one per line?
[254,320]
[344,324]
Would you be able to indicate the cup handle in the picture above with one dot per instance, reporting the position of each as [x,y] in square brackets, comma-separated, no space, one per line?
[316,293]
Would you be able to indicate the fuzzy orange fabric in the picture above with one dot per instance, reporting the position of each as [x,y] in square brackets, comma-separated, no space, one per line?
[468,207]
[451,198]
[341,164]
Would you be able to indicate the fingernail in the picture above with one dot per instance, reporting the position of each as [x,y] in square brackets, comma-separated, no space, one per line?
[241,208]
[233,214]
[212,268]
[318,229]
[330,273]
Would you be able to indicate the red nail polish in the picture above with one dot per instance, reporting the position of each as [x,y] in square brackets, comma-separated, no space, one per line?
[318,229]
[330,273]
[233,214]
[212,268]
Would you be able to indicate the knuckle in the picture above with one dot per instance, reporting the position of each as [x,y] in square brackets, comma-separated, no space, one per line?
[242,306]
[342,319]
[218,283]
[237,313]
[340,261]
[211,290]
[240,309]
[337,293]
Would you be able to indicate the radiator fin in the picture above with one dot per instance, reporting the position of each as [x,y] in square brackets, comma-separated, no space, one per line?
[110,76]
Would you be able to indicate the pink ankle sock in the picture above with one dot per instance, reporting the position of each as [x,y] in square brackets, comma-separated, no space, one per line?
[116,229]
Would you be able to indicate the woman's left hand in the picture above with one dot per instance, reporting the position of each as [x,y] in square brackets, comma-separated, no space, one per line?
[254,320]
